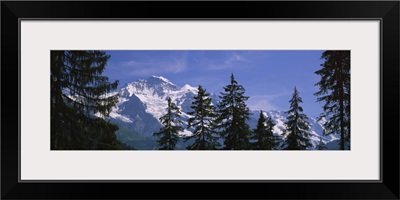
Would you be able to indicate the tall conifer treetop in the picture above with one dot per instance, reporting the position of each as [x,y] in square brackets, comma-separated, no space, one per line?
[334,90]
[78,92]
[263,135]
[169,133]
[233,115]
[203,122]
[297,127]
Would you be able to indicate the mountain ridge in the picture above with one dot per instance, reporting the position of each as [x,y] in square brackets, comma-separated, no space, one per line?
[143,102]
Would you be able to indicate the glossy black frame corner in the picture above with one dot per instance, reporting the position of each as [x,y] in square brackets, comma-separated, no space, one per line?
[386,11]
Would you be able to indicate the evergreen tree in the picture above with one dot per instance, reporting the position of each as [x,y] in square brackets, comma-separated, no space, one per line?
[334,90]
[202,121]
[78,92]
[169,133]
[297,127]
[321,145]
[233,114]
[263,134]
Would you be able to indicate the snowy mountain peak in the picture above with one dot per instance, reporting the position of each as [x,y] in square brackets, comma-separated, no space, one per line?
[143,102]
[160,78]
[188,88]
[153,92]
[155,85]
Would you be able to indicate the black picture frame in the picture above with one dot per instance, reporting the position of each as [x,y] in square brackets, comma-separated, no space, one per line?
[386,11]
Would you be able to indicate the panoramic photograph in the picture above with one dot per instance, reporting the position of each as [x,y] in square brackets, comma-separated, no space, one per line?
[254,100]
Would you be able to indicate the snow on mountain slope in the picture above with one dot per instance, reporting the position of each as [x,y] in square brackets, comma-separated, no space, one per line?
[154,91]
[279,118]
[143,102]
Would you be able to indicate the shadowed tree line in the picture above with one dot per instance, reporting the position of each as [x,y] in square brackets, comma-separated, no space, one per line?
[227,122]
[81,100]
[78,93]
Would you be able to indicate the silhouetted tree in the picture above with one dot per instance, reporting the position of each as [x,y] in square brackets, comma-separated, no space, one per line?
[202,122]
[297,127]
[334,90]
[169,133]
[321,145]
[233,114]
[78,93]
[263,135]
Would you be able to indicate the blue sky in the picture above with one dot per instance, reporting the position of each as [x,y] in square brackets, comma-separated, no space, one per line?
[268,76]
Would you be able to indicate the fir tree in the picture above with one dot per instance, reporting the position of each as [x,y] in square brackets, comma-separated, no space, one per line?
[297,127]
[233,114]
[334,90]
[263,134]
[202,122]
[78,92]
[169,133]
[321,145]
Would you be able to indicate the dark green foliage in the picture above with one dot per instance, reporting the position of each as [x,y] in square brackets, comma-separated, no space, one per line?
[126,134]
[169,133]
[124,146]
[334,90]
[78,92]
[321,145]
[202,122]
[133,139]
[263,135]
[297,127]
[233,114]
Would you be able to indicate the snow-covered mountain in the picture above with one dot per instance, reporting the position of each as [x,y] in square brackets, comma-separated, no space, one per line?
[279,118]
[143,102]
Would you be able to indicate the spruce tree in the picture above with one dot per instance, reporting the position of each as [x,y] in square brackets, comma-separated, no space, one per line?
[334,90]
[263,135]
[321,145]
[202,122]
[169,133]
[297,127]
[78,92]
[232,116]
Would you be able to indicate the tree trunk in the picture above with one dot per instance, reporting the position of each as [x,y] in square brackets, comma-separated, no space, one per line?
[341,106]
